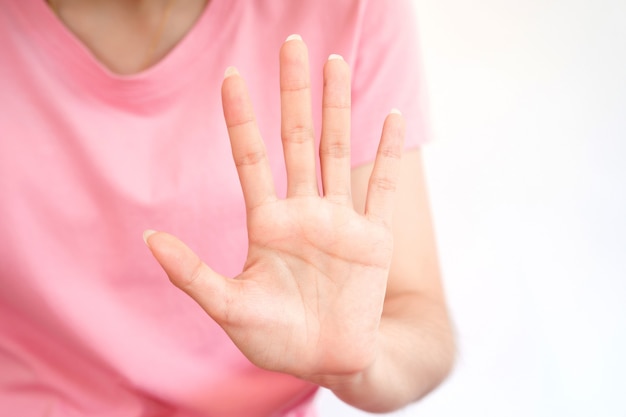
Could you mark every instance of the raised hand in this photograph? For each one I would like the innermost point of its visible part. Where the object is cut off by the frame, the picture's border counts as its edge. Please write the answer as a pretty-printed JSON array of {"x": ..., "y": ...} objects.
[{"x": 310, "y": 297}]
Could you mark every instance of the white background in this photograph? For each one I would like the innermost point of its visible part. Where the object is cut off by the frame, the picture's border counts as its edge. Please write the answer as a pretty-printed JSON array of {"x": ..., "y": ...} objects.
[{"x": 527, "y": 176}]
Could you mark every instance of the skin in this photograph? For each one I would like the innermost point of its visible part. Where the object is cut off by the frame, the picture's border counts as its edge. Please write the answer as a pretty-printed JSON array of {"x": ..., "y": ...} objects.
[
  {"x": 121, "y": 33},
  {"x": 333, "y": 291}
]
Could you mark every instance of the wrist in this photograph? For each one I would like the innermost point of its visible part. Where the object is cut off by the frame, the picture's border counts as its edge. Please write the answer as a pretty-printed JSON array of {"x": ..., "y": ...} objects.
[{"x": 414, "y": 353}]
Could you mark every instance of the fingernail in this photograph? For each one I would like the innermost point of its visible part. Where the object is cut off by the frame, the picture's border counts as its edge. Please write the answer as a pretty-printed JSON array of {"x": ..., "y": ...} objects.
[
  {"x": 334, "y": 56},
  {"x": 293, "y": 37},
  {"x": 395, "y": 111},
  {"x": 230, "y": 71},
  {"x": 147, "y": 234}
]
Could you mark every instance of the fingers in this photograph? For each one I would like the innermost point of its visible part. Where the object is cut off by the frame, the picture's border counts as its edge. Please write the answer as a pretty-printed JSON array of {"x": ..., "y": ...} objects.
[
  {"x": 247, "y": 145},
  {"x": 296, "y": 118},
  {"x": 386, "y": 172},
  {"x": 299, "y": 139},
  {"x": 335, "y": 142},
  {"x": 190, "y": 274}
]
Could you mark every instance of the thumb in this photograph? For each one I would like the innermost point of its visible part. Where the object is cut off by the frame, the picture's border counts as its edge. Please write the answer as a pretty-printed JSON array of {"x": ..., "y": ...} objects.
[{"x": 187, "y": 271}]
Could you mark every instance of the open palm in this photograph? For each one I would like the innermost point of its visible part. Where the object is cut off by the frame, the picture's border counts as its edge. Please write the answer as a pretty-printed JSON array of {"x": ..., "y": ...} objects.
[{"x": 310, "y": 297}]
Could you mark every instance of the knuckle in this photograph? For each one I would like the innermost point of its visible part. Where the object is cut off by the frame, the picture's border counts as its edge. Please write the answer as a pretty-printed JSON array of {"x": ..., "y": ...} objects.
[
  {"x": 383, "y": 183},
  {"x": 251, "y": 157},
  {"x": 242, "y": 122},
  {"x": 298, "y": 133},
  {"x": 295, "y": 85},
  {"x": 335, "y": 147},
  {"x": 194, "y": 277},
  {"x": 337, "y": 102},
  {"x": 392, "y": 152}
]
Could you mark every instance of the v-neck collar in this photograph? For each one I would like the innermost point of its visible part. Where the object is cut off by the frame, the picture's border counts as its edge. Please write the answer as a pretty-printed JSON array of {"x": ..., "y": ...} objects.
[{"x": 78, "y": 63}]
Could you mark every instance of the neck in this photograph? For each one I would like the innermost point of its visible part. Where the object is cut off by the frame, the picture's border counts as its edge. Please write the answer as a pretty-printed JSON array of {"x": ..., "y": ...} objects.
[
  {"x": 128, "y": 36},
  {"x": 134, "y": 7}
]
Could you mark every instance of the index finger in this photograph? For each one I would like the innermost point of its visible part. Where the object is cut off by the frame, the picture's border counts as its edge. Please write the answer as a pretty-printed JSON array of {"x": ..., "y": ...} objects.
[{"x": 249, "y": 154}]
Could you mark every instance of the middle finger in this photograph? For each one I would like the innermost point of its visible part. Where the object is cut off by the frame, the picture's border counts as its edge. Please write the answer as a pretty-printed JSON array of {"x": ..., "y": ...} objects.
[{"x": 297, "y": 131}]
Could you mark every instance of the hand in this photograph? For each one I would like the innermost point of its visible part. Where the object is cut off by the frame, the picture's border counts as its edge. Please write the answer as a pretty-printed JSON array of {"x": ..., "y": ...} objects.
[{"x": 310, "y": 297}]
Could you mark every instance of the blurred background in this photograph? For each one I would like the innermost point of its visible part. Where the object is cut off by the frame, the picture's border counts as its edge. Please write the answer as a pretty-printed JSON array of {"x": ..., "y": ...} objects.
[{"x": 527, "y": 176}]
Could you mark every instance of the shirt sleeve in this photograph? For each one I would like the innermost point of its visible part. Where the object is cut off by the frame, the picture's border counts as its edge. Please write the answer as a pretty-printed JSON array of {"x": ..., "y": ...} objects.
[{"x": 387, "y": 73}]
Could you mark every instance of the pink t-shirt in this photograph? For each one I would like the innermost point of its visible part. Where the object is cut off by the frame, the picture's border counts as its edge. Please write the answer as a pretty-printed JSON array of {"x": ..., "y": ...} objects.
[{"x": 89, "y": 323}]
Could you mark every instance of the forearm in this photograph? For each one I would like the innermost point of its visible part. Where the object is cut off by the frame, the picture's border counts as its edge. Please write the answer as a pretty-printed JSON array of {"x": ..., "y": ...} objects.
[{"x": 416, "y": 352}]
